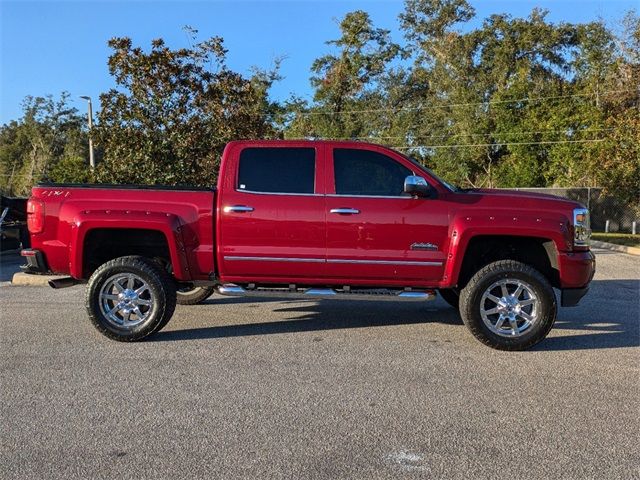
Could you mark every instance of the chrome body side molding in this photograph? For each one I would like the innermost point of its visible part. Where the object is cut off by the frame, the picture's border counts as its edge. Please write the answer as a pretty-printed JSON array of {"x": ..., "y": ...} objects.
[
  {"x": 274, "y": 259},
  {"x": 385, "y": 262},
  {"x": 332, "y": 260}
]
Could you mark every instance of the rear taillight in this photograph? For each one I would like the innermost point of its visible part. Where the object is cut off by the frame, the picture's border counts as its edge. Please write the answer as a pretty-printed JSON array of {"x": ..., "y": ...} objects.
[{"x": 35, "y": 215}]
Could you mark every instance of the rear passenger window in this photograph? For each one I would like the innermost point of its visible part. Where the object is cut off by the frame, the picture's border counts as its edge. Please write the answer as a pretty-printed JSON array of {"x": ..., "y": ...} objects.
[
  {"x": 364, "y": 172},
  {"x": 277, "y": 170}
]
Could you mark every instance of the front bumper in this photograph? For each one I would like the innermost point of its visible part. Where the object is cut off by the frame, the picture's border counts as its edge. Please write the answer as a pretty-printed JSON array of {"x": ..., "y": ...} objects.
[
  {"x": 35, "y": 261},
  {"x": 576, "y": 271}
]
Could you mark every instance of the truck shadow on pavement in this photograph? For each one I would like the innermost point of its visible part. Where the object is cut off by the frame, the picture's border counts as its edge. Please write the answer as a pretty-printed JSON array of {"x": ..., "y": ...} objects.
[
  {"x": 314, "y": 315},
  {"x": 608, "y": 317}
]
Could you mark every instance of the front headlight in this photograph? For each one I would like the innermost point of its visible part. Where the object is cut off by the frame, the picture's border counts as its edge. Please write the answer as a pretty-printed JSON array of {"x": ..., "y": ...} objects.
[{"x": 581, "y": 227}]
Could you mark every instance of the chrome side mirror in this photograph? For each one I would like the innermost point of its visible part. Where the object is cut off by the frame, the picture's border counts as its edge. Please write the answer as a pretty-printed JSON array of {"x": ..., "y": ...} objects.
[{"x": 417, "y": 187}]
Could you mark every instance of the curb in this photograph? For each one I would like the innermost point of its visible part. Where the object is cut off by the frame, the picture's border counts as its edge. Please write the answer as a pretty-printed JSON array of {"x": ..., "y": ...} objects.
[
  {"x": 616, "y": 247},
  {"x": 29, "y": 279}
]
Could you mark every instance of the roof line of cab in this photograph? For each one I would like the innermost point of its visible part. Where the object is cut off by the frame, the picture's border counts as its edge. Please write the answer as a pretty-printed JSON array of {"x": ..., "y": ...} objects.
[{"x": 304, "y": 140}]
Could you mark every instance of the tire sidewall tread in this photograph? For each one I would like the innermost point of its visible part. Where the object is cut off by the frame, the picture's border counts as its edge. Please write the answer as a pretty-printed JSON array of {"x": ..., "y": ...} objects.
[
  {"x": 161, "y": 283},
  {"x": 470, "y": 304},
  {"x": 195, "y": 296}
]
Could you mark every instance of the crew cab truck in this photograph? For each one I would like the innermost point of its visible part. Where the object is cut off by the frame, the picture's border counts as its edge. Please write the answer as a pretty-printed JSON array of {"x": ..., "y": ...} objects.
[{"x": 316, "y": 219}]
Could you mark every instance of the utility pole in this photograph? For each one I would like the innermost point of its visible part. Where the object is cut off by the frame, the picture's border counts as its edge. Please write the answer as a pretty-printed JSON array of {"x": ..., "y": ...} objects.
[{"x": 92, "y": 162}]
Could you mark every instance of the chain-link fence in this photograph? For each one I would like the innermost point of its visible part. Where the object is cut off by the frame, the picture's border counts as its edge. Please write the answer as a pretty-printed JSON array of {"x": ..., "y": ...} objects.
[{"x": 608, "y": 213}]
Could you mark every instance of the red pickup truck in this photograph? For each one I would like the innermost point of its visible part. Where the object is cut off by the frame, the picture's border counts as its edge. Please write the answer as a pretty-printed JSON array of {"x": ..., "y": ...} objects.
[{"x": 316, "y": 219}]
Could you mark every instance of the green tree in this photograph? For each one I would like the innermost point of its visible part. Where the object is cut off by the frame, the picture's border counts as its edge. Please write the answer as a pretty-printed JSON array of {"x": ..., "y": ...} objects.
[
  {"x": 468, "y": 84},
  {"x": 173, "y": 111},
  {"x": 347, "y": 80},
  {"x": 47, "y": 143},
  {"x": 616, "y": 161},
  {"x": 502, "y": 102}
]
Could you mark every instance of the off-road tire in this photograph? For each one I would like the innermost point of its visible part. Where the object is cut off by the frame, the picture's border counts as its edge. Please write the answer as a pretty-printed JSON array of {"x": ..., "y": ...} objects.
[
  {"x": 162, "y": 290},
  {"x": 471, "y": 296},
  {"x": 194, "y": 296},
  {"x": 451, "y": 296}
]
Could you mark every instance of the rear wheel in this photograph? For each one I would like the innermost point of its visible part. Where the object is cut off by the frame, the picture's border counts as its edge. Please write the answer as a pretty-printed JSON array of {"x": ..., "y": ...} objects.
[
  {"x": 129, "y": 298},
  {"x": 188, "y": 294},
  {"x": 508, "y": 305}
]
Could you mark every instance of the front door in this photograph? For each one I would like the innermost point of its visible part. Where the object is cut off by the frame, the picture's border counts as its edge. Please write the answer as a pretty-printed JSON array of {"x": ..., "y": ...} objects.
[{"x": 374, "y": 231}]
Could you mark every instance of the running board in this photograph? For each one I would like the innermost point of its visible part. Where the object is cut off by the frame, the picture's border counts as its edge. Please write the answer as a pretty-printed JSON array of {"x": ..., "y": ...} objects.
[{"x": 345, "y": 293}]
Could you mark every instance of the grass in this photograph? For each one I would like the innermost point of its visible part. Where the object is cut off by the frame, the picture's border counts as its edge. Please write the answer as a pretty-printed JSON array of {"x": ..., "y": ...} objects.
[{"x": 619, "y": 238}]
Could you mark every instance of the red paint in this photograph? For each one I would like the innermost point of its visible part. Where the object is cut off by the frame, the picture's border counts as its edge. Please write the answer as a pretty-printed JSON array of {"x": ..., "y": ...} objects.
[
  {"x": 301, "y": 227},
  {"x": 576, "y": 269},
  {"x": 71, "y": 212}
]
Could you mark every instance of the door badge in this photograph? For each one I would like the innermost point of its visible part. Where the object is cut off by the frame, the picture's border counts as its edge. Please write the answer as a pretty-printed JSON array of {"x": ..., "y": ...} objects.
[{"x": 423, "y": 246}]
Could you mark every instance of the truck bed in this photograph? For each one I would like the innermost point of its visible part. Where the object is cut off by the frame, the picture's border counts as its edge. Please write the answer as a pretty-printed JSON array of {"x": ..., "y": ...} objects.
[{"x": 183, "y": 214}]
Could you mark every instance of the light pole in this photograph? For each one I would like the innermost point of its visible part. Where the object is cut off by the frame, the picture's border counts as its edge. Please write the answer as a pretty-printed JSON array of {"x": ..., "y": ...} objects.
[{"x": 92, "y": 162}]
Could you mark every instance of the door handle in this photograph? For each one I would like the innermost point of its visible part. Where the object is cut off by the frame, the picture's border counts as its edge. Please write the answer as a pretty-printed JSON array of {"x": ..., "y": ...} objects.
[
  {"x": 237, "y": 209},
  {"x": 344, "y": 211}
]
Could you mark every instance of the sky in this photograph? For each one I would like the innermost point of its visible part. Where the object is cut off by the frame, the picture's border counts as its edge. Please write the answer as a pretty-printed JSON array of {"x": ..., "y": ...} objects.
[{"x": 48, "y": 47}]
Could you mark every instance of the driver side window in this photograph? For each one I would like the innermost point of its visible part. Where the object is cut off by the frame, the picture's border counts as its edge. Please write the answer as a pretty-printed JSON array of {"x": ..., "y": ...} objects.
[{"x": 367, "y": 173}]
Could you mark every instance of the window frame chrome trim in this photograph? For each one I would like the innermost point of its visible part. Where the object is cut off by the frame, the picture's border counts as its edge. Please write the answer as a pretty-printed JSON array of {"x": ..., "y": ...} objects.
[
  {"x": 280, "y": 193},
  {"x": 339, "y": 195}
]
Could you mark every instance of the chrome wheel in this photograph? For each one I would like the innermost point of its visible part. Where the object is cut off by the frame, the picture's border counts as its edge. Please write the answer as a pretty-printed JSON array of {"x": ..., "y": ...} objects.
[
  {"x": 509, "y": 307},
  {"x": 126, "y": 300}
]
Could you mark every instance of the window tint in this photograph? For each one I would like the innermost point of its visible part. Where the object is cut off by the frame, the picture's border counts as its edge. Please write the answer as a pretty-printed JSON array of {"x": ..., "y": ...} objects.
[
  {"x": 277, "y": 170},
  {"x": 363, "y": 172}
]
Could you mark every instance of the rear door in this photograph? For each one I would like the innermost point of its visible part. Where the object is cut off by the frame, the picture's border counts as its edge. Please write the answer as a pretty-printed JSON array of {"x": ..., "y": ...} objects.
[
  {"x": 374, "y": 231},
  {"x": 272, "y": 213}
]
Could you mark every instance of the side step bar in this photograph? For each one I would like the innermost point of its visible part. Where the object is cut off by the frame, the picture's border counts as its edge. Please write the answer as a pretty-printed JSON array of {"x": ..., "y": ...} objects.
[{"x": 345, "y": 293}]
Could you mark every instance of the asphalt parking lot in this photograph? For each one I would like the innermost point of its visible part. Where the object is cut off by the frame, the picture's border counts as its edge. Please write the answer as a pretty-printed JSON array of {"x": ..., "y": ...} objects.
[{"x": 330, "y": 389}]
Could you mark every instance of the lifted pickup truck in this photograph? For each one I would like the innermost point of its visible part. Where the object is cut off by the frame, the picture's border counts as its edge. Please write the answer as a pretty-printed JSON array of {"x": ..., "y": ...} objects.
[{"x": 316, "y": 219}]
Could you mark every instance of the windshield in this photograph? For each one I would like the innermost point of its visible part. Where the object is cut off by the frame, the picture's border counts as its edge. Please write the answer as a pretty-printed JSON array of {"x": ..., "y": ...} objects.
[{"x": 445, "y": 184}]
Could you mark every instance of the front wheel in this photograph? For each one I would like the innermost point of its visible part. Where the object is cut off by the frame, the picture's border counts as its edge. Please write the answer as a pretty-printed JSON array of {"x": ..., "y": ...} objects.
[
  {"x": 508, "y": 305},
  {"x": 129, "y": 298}
]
